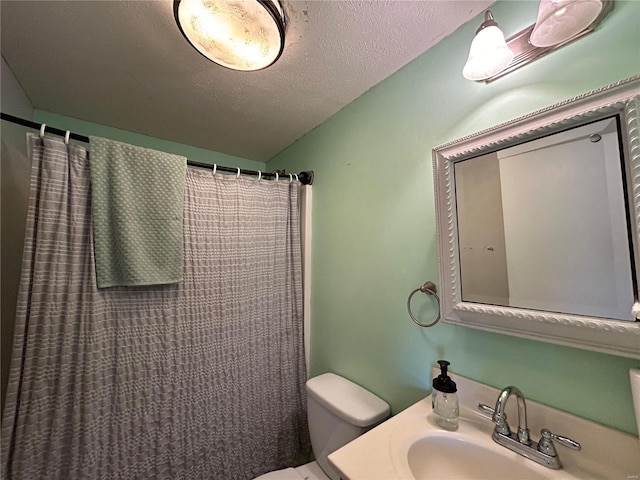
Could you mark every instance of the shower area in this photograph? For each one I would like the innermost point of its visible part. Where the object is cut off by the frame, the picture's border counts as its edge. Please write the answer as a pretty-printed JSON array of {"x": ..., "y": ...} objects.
[{"x": 202, "y": 377}]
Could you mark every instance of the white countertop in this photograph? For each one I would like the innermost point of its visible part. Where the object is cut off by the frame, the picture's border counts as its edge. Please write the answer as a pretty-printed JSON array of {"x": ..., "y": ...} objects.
[{"x": 606, "y": 453}]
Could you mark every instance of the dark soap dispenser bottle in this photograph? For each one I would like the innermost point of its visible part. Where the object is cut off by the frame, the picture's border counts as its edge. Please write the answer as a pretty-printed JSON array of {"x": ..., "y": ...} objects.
[{"x": 444, "y": 399}]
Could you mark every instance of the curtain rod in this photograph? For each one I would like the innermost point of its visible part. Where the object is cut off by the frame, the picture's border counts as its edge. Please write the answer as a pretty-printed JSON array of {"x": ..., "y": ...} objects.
[{"x": 306, "y": 178}]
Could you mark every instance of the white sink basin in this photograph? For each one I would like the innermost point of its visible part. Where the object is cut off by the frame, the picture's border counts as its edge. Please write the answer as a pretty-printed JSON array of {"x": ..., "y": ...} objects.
[
  {"x": 421, "y": 450},
  {"x": 440, "y": 458},
  {"x": 448, "y": 457}
]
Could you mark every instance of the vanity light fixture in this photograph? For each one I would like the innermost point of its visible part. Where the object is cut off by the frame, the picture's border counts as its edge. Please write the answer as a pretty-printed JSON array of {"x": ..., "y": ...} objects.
[
  {"x": 244, "y": 35},
  {"x": 489, "y": 53},
  {"x": 559, "y": 23}
]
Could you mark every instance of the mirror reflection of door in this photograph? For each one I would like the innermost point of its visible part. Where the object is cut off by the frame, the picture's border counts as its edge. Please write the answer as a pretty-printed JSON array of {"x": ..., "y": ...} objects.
[{"x": 543, "y": 225}]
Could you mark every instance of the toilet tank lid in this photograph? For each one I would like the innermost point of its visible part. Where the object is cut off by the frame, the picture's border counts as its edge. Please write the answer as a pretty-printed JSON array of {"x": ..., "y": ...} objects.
[{"x": 347, "y": 400}]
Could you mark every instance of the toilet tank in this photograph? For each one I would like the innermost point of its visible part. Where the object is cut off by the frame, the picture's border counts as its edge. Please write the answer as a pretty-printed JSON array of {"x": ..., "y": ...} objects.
[{"x": 339, "y": 411}]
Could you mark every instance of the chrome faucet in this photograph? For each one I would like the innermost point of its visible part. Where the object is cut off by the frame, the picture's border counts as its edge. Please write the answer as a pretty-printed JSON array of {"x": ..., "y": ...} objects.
[
  {"x": 500, "y": 418},
  {"x": 542, "y": 452}
]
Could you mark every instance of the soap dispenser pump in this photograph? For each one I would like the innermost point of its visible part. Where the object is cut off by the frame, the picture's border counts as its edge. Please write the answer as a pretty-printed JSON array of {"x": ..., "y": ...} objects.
[{"x": 444, "y": 399}]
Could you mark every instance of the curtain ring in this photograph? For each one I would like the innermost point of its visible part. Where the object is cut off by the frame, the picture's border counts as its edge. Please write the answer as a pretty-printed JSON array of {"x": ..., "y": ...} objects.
[
  {"x": 238, "y": 174},
  {"x": 66, "y": 137},
  {"x": 290, "y": 178},
  {"x": 276, "y": 176},
  {"x": 296, "y": 175},
  {"x": 215, "y": 167},
  {"x": 42, "y": 127},
  {"x": 259, "y": 175}
]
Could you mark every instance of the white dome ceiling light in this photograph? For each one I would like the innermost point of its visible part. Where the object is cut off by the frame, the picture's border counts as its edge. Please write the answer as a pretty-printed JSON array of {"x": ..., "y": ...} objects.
[{"x": 244, "y": 35}]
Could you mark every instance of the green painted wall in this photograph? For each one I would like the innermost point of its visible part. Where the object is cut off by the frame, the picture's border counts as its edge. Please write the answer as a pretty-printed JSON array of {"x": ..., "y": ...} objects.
[
  {"x": 192, "y": 153},
  {"x": 374, "y": 237}
]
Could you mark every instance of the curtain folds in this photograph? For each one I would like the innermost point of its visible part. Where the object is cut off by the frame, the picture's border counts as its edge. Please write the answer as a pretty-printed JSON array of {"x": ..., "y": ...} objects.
[{"x": 202, "y": 379}]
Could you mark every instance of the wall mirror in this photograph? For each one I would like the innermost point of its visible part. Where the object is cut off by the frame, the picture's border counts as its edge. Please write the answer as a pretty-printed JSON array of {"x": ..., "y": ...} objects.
[{"x": 538, "y": 224}]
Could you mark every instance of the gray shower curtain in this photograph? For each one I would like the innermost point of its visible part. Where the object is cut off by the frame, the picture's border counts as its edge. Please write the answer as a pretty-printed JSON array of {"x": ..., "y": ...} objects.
[{"x": 198, "y": 380}]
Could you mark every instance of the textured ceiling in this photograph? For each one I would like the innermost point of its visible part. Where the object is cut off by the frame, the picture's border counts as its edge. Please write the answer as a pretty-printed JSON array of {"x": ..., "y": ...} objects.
[{"x": 125, "y": 64}]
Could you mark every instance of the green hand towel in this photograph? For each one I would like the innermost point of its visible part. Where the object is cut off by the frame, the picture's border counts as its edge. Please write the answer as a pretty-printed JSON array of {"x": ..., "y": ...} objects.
[{"x": 137, "y": 195}]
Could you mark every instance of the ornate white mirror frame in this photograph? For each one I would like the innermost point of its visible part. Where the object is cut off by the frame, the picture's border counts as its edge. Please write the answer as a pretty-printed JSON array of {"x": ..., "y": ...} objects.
[{"x": 592, "y": 333}]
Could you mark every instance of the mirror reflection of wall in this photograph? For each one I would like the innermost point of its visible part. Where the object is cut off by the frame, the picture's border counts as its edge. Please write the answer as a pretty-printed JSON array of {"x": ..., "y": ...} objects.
[{"x": 543, "y": 225}]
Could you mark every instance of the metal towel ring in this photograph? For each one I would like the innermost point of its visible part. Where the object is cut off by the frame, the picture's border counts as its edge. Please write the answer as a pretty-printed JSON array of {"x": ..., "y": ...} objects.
[{"x": 430, "y": 289}]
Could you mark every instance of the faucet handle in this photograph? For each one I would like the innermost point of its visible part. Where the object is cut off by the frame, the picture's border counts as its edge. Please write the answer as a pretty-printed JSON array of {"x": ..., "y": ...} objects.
[
  {"x": 500, "y": 420},
  {"x": 486, "y": 409},
  {"x": 502, "y": 426},
  {"x": 546, "y": 444}
]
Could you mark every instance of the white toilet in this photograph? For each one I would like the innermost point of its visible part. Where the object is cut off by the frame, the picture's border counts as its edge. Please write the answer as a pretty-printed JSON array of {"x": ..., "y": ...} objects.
[{"x": 339, "y": 411}]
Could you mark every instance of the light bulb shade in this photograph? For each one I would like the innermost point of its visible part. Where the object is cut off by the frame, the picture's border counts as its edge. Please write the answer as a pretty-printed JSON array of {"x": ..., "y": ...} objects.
[
  {"x": 560, "y": 20},
  {"x": 488, "y": 55},
  {"x": 238, "y": 34}
]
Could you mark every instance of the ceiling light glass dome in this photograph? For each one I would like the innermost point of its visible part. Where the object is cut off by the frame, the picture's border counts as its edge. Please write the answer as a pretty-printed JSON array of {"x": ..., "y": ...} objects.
[{"x": 238, "y": 34}]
